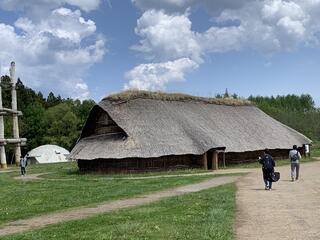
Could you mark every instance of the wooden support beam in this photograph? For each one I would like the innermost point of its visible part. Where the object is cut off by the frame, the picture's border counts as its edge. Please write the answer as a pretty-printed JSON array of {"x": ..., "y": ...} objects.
[
  {"x": 215, "y": 165},
  {"x": 12, "y": 140},
  {"x": 205, "y": 161},
  {"x": 3, "y": 157},
  {"x": 11, "y": 111}
]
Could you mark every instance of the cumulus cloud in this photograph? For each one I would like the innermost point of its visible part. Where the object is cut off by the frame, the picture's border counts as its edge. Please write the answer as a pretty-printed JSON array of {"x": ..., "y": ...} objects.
[
  {"x": 54, "y": 53},
  {"x": 166, "y": 37},
  {"x": 214, "y": 7},
  {"x": 166, "y": 33},
  {"x": 155, "y": 76},
  {"x": 168, "y": 5},
  {"x": 13, "y": 5}
]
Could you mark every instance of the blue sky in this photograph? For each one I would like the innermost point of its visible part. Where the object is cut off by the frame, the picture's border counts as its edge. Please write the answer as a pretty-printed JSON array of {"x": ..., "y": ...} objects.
[{"x": 91, "y": 48}]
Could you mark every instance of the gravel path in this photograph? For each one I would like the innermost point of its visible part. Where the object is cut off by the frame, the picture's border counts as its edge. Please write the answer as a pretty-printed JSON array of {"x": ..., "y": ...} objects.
[
  {"x": 290, "y": 211},
  {"x": 80, "y": 213}
]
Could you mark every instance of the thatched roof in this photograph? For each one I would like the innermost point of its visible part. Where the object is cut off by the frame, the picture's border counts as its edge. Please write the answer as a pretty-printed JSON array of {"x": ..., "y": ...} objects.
[
  {"x": 134, "y": 94},
  {"x": 160, "y": 126}
]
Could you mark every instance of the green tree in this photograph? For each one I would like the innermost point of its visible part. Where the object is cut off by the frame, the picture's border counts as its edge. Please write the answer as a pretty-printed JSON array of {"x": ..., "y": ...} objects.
[
  {"x": 62, "y": 126},
  {"x": 34, "y": 129},
  {"x": 82, "y": 109},
  {"x": 298, "y": 112},
  {"x": 52, "y": 100}
]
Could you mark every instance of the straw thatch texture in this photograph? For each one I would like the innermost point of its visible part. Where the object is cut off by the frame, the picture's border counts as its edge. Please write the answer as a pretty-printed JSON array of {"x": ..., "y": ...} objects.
[
  {"x": 134, "y": 94},
  {"x": 157, "y": 128}
]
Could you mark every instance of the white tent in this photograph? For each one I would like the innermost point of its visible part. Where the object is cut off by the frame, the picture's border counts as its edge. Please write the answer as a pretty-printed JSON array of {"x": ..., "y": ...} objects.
[{"x": 48, "y": 154}]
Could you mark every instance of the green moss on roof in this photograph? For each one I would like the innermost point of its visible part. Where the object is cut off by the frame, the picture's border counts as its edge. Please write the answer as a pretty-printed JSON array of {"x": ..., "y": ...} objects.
[{"x": 128, "y": 95}]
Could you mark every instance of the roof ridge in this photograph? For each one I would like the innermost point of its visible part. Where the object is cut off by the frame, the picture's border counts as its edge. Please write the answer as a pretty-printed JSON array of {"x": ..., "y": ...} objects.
[{"x": 126, "y": 96}]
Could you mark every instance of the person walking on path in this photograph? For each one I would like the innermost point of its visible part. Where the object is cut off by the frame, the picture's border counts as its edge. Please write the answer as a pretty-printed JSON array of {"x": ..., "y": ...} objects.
[
  {"x": 294, "y": 157},
  {"x": 268, "y": 165},
  {"x": 23, "y": 165}
]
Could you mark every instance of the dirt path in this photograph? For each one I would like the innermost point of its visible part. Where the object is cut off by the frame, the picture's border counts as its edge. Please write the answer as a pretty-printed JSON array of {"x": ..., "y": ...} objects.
[
  {"x": 290, "y": 211},
  {"x": 75, "y": 214}
]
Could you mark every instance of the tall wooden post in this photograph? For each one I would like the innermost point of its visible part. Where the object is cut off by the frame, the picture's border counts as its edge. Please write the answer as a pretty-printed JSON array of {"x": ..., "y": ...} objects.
[
  {"x": 205, "y": 161},
  {"x": 3, "y": 159},
  {"x": 15, "y": 113},
  {"x": 215, "y": 165}
]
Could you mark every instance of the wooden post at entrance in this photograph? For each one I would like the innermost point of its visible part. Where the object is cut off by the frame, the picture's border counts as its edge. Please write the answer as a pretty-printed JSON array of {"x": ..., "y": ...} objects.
[
  {"x": 205, "y": 161},
  {"x": 215, "y": 165}
]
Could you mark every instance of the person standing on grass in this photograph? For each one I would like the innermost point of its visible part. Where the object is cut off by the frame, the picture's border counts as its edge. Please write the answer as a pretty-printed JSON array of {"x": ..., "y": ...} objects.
[
  {"x": 294, "y": 157},
  {"x": 268, "y": 165},
  {"x": 23, "y": 165}
]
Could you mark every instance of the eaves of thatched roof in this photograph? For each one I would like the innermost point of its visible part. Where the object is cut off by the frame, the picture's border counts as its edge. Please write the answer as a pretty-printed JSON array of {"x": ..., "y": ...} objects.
[{"x": 159, "y": 127}]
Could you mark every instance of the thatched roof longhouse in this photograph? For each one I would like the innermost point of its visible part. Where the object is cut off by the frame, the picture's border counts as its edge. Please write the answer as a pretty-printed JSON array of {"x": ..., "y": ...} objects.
[{"x": 153, "y": 125}]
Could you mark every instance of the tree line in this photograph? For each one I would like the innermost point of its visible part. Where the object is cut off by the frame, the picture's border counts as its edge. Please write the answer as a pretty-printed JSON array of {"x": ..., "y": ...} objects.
[
  {"x": 298, "y": 112},
  {"x": 45, "y": 120}
]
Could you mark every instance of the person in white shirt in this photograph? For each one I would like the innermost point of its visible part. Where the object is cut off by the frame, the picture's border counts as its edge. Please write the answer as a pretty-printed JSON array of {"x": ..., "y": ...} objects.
[{"x": 294, "y": 157}]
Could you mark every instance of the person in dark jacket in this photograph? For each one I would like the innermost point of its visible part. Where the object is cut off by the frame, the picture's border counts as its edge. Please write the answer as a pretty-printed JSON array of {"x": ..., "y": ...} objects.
[
  {"x": 23, "y": 165},
  {"x": 268, "y": 165}
]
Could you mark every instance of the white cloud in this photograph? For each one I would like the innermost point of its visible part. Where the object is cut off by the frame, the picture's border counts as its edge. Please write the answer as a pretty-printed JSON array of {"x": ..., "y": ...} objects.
[
  {"x": 277, "y": 9},
  {"x": 266, "y": 26},
  {"x": 221, "y": 39},
  {"x": 54, "y": 53},
  {"x": 283, "y": 24},
  {"x": 168, "y": 5},
  {"x": 155, "y": 76},
  {"x": 41, "y": 5},
  {"x": 214, "y": 7},
  {"x": 62, "y": 23},
  {"x": 166, "y": 37}
]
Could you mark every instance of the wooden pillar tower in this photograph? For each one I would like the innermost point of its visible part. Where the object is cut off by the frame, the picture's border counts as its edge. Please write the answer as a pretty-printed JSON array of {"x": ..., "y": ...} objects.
[{"x": 16, "y": 140}]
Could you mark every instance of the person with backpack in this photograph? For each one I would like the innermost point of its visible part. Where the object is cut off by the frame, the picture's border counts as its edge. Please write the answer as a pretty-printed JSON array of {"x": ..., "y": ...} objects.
[
  {"x": 268, "y": 165},
  {"x": 23, "y": 165},
  {"x": 294, "y": 156}
]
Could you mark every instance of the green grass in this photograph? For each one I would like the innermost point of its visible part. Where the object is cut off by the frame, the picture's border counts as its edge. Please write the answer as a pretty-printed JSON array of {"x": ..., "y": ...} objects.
[
  {"x": 23, "y": 199},
  {"x": 70, "y": 169},
  {"x": 315, "y": 150},
  {"x": 207, "y": 214}
]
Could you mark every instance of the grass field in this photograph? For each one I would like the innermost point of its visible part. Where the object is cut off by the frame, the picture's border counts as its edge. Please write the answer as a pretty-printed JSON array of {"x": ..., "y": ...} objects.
[
  {"x": 204, "y": 215},
  {"x": 70, "y": 169},
  {"x": 67, "y": 189}
]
